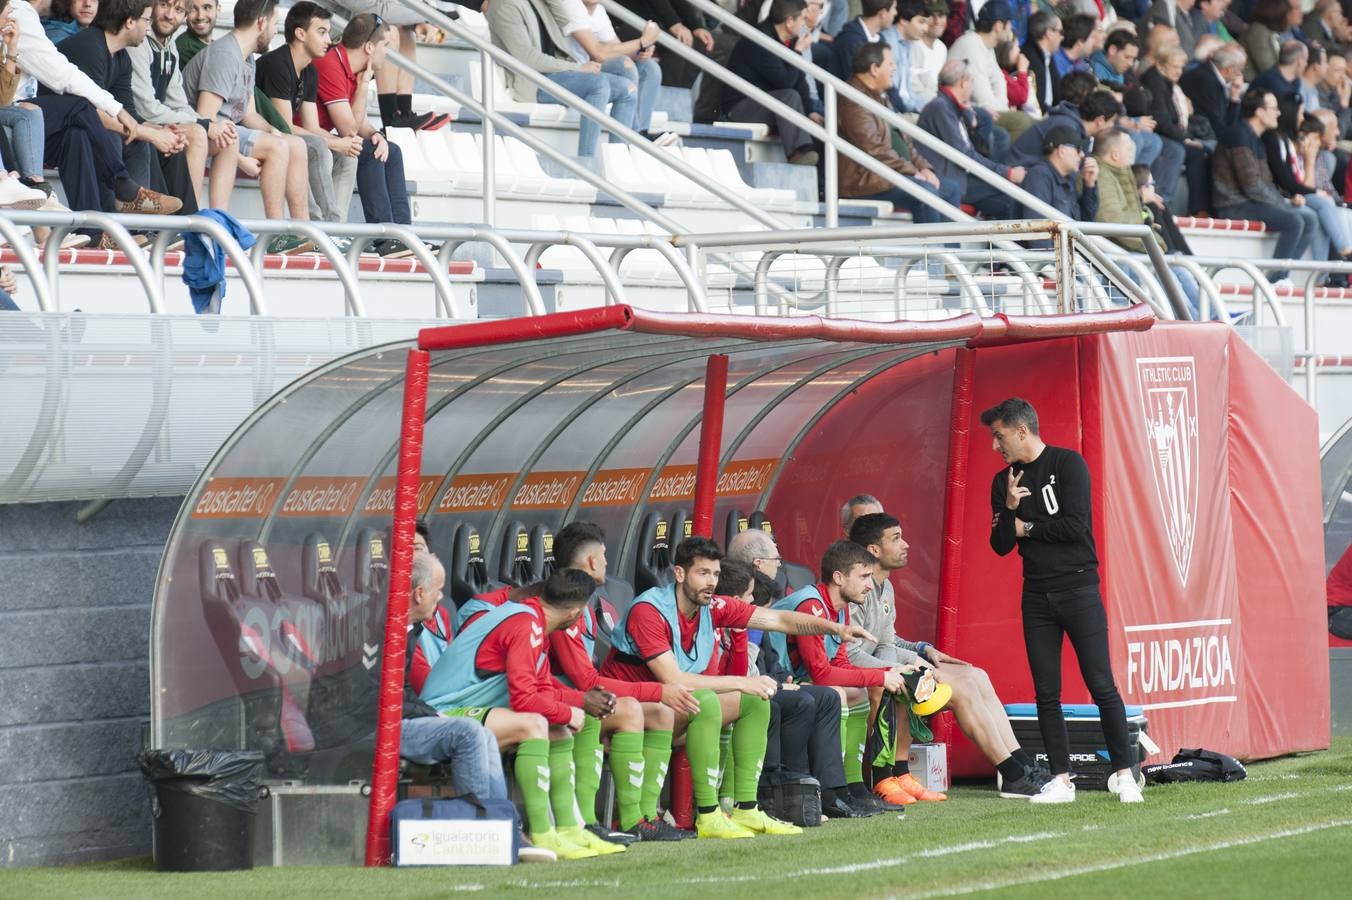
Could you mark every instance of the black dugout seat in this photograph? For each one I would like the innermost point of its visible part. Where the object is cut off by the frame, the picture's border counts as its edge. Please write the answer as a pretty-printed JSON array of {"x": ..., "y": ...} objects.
[
  {"x": 736, "y": 524},
  {"x": 610, "y": 602},
  {"x": 653, "y": 567},
  {"x": 319, "y": 570},
  {"x": 371, "y": 563},
  {"x": 758, "y": 520},
  {"x": 682, "y": 526},
  {"x": 468, "y": 573},
  {"x": 515, "y": 565},
  {"x": 240, "y": 629},
  {"x": 541, "y": 551}
]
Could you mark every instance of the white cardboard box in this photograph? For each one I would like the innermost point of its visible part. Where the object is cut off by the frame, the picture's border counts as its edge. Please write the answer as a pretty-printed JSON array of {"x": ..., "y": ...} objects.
[{"x": 929, "y": 765}]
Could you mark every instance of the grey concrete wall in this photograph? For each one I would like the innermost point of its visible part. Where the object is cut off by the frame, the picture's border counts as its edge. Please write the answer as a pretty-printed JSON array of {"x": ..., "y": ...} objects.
[{"x": 74, "y": 686}]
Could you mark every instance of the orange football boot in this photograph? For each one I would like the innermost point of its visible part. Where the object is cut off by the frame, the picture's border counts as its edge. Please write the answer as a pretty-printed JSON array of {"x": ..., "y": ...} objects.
[
  {"x": 891, "y": 790},
  {"x": 912, "y": 786}
]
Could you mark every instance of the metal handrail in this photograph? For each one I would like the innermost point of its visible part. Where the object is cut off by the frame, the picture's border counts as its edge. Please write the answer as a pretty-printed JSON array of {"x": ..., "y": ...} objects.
[{"x": 924, "y": 138}]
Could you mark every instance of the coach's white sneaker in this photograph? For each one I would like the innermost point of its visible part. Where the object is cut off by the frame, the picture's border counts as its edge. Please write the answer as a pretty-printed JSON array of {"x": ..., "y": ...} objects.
[
  {"x": 1128, "y": 790},
  {"x": 1058, "y": 790}
]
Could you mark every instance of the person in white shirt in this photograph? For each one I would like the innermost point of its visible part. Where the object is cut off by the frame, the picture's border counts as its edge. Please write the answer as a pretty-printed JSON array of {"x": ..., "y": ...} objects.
[
  {"x": 977, "y": 49},
  {"x": 928, "y": 55},
  {"x": 592, "y": 37}
]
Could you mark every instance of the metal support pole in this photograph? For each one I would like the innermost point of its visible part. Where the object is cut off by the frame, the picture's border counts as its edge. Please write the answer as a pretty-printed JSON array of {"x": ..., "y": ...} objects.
[
  {"x": 1311, "y": 361},
  {"x": 385, "y": 768},
  {"x": 832, "y": 168},
  {"x": 489, "y": 101},
  {"x": 710, "y": 444}
]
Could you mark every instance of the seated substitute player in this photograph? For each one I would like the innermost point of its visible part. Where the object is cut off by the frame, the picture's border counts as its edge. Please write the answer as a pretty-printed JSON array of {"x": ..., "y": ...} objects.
[
  {"x": 669, "y": 633},
  {"x": 978, "y": 710},
  {"x": 496, "y": 670},
  {"x": 581, "y": 546},
  {"x": 847, "y": 580}
]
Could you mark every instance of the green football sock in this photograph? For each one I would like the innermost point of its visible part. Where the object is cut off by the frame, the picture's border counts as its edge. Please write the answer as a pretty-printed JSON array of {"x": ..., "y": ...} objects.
[
  {"x": 587, "y": 761},
  {"x": 562, "y": 797},
  {"x": 725, "y": 766},
  {"x": 856, "y": 730},
  {"x": 748, "y": 747},
  {"x": 656, "y": 758},
  {"x": 701, "y": 747},
  {"x": 532, "y": 777},
  {"x": 626, "y": 767}
]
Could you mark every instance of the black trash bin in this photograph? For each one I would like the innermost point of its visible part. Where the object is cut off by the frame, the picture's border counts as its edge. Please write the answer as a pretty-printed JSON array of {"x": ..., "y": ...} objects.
[{"x": 204, "y": 803}]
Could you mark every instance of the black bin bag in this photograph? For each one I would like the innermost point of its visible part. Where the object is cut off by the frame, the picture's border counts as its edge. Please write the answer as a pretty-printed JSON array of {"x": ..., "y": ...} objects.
[{"x": 204, "y": 804}]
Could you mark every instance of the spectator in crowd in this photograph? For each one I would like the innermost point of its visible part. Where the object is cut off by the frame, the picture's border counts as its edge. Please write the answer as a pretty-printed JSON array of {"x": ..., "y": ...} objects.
[
  {"x": 1084, "y": 109},
  {"x": 904, "y": 37},
  {"x": 950, "y": 118},
  {"x": 1286, "y": 158},
  {"x": 977, "y": 48},
  {"x": 1327, "y": 24},
  {"x": 289, "y": 79},
  {"x": 21, "y": 121},
  {"x": 1156, "y": 38},
  {"x": 1121, "y": 203},
  {"x": 1335, "y": 92},
  {"x": 219, "y": 81},
  {"x": 201, "y": 22},
  {"x": 1172, "y": 112},
  {"x": 592, "y": 38},
  {"x": 1116, "y": 59},
  {"x": 1207, "y": 45},
  {"x": 1018, "y": 86},
  {"x": 1261, "y": 39},
  {"x": 157, "y": 91},
  {"x": 687, "y": 24},
  {"x": 100, "y": 51},
  {"x": 1315, "y": 68},
  {"x": 1215, "y": 87},
  {"x": 930, "y": 54},
  {"x": 1283, "y": 79},
  {"x": 874, "y": 17},
  {"x": 812, "y": 47},
  {"x": 1177, "y": 14},
  {"x": 1157, "y": 214},
  {"x": 515, "y": 26},
  {"x": 873, "y": 72},
  {"x": 1077, "y": 44},
  {"x": 1320, "y": 166},
  {"x": 77, "y": 142},
  {"x": 342, "y": 78},
  {"x": 776, "y": 77},
  {"x": 69, "y": 17},
  {"x": 394, "y": 86},
  {"x": 1044, "y": 40},
  {"x": 1065, "y": 178},
  {"x": 1242, "y": 185}
]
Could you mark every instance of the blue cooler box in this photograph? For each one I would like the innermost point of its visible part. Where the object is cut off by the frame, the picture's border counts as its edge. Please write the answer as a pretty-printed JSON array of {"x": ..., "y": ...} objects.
[{"x": 1088, "y": 750}]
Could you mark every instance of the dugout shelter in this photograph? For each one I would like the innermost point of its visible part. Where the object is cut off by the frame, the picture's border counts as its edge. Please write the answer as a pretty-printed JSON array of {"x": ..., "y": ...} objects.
[{"x": 271, "y": 603}]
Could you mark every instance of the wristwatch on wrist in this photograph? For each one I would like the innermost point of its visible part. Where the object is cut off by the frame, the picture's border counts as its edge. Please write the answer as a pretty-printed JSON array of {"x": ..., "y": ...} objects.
[{"x": 1027, "y": 528}]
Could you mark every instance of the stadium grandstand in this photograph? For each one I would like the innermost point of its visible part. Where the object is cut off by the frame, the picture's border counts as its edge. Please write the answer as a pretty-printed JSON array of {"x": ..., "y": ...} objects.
[{"x": 408, "y": 400}]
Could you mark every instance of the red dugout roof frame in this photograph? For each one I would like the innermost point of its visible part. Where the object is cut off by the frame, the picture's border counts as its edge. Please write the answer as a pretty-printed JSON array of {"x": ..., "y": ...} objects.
[{"x": 970, "y": 328}]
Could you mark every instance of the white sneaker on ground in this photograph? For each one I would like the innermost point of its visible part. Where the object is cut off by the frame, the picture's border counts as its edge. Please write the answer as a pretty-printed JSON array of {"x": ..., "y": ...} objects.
[
  {"x": 14, "y": 195},
  {"x": 1128, "y": 790},
  {"x": 1055, "y": 791}
]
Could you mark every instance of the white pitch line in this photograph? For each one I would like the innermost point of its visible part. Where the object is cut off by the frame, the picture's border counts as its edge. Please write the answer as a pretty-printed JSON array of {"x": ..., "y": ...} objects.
[
  {"x": 1342, "y": 787},
  {"x": 1141, "y": 860},
  {"x": 1271, "y": 798},
  {"x": 1209, "y": 815}
]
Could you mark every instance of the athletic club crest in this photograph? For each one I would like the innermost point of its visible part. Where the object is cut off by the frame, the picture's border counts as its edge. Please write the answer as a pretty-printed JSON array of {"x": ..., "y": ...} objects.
[{"x": 1169, "y": 404}]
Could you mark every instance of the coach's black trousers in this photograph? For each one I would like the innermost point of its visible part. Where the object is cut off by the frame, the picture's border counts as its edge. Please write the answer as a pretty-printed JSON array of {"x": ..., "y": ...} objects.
[{"x": 1079, "y": 615}]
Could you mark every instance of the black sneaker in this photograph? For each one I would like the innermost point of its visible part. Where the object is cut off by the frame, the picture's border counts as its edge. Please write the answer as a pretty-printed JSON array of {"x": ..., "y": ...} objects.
[
  {"x": 658, "y": 830},
  {"x": 409, "y": 120},
  {"x": 1023, "y": 788},
  {"x": 862, "y": 798},
  {"x": 623, "y": 838},
  {"x": 841, "y": 808}
]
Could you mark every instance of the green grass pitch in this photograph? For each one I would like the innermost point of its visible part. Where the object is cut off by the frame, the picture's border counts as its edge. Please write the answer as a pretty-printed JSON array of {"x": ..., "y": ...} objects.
[{"x": 1284, "y": 832}]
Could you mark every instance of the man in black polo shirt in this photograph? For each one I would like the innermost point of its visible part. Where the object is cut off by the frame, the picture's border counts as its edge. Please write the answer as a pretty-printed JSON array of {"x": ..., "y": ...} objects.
[
  {"x": 779, "y": 79},
  {"x": 287, "y": 78},
  {"x": 100, "y": 51},
  {"x": 1042, "y": 504}
]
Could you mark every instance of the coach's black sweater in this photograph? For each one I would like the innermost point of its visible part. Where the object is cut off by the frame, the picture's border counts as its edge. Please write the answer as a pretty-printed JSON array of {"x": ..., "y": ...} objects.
[{"x": 1058, "y": 553}]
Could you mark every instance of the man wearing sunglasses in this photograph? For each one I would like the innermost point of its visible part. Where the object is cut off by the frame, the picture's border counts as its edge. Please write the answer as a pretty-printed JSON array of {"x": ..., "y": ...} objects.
[{"x": 1053, "y": 179}]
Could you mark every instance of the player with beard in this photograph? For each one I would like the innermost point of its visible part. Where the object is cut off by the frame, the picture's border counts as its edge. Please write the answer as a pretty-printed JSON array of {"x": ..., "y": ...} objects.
[
  {"x": 978, "y": 710},
  {"x": 668, "y": 633},
  {"x": 847, "y": 581}
]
